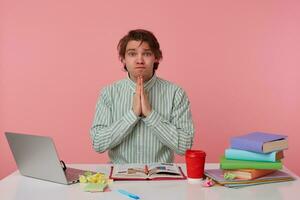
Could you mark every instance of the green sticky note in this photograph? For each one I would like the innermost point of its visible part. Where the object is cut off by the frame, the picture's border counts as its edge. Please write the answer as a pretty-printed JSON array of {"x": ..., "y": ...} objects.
[
  {"x": 94, "y": 187},
  {"x": 229, "y": 176}
]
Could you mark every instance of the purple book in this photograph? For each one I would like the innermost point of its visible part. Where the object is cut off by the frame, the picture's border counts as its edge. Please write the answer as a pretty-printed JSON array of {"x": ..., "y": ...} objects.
[{"x": 255, "y": 141}]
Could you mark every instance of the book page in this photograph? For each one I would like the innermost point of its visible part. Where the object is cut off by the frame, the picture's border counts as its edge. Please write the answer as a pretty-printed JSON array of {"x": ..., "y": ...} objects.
[
  {"x": 129, "y": 171},
  {"x": 163, "y": 170}
]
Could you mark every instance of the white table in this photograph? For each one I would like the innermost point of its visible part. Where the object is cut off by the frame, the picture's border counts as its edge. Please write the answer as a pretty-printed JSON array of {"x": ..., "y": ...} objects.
[{"x": 16, "y": 187}]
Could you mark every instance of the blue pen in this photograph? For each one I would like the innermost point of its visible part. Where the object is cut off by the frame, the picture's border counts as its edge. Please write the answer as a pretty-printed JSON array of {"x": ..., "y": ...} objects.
[{"x": 133, "y": 196}]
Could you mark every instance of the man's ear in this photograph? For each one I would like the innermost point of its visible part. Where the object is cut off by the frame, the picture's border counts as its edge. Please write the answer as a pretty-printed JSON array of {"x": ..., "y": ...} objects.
[{"x": 122, "y": 60}]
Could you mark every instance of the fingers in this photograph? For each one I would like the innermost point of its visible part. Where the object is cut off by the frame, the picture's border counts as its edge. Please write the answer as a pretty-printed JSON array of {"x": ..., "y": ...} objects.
[
  {"x": 146, "y": 107},
  {"x": 137, "y": 107},
  {"x": 142, "y": 81},
  {"x": 141, "y": 105},
  {"x": 142, "y": 85},
  {"x": 138, "y": 86}
]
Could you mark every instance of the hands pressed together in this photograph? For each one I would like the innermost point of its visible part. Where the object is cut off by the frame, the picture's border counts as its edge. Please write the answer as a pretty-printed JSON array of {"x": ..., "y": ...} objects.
[{"x": 141, "y": 106}]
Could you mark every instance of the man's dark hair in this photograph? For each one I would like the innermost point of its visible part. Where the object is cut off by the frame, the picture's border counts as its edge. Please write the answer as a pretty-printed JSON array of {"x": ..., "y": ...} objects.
[{"x": 143, "y": 36}]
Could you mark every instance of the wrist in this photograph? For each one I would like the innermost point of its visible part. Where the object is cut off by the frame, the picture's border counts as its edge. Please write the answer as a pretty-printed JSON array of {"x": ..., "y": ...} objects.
[
  {"x": 147, "y": 113},
  {"x": 136, "y": 113}
]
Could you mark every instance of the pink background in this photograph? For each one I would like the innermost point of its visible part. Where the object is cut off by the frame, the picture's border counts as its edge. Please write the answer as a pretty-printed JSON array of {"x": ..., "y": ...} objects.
[{"x": 238, "y": 61}]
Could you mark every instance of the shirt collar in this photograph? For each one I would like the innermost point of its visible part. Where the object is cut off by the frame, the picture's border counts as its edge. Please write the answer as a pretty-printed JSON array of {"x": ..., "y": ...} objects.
[{"x": 147, "y": 86}]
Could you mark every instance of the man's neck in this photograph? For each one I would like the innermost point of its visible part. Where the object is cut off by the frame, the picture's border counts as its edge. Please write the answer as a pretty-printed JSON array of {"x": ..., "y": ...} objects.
[{"x": 134, "y": 79}]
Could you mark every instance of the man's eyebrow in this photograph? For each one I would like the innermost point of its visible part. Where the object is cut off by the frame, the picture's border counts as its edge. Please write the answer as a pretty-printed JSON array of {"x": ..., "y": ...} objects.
[
  {"x": 135, "y": 50},
  {"x": 130, "y": 50}
]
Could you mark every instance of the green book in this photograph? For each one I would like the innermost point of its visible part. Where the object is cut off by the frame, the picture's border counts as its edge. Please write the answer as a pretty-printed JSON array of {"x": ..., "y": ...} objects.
[{"x": 244, "y": 164}]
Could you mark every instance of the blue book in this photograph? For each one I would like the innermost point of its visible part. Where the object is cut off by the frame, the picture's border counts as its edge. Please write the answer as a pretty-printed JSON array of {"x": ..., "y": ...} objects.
[
  {"x": 260, "y": 142},
  {"x": 237, "y": 154}
]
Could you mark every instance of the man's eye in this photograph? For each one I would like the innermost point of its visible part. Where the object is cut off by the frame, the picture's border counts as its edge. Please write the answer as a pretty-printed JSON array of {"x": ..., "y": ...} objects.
[
  {"x": 148, "y": 54},
  {"x": 131, "y": 53}
]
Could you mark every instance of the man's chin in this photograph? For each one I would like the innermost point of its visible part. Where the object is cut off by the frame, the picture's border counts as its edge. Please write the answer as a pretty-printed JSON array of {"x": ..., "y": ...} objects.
[{"x": 145, "y": 76}]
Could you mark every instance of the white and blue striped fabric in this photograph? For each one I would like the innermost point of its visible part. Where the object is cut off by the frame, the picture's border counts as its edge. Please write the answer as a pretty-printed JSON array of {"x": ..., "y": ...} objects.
[{"x": 131, "y": 139}]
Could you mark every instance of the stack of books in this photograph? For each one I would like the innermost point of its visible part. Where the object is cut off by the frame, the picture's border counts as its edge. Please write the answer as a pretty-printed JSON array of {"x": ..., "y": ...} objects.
[
  {"x": 254, "y": 158},
  {"x": 254, "y": 155}
]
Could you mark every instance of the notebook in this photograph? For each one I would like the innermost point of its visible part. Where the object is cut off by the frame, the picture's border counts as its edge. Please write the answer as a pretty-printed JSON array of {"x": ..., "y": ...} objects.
[
  {"x": 36, "y": 157},
  {"x": 276, "y": 177}
]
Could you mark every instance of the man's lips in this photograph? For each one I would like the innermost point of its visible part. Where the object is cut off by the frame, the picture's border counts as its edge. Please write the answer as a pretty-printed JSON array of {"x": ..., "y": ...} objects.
[{"x": 140, "y": 67}]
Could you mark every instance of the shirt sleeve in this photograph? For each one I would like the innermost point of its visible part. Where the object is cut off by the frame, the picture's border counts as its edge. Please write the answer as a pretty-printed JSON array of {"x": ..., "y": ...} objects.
[
  {"x": 106, "y": 133},
  {"x": 178, "y": 132}
]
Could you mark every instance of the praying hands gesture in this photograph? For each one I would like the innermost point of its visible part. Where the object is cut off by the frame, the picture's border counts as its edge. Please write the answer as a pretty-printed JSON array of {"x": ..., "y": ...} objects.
[{"x": 141, "y": 106}]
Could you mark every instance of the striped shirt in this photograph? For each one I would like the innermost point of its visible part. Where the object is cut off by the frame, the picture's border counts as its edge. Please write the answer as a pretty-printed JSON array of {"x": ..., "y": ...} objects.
[{"x": 131, "y": 139}]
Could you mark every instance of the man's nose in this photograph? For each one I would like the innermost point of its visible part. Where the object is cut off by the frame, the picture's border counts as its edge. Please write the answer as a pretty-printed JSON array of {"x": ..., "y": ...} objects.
[{"x": 140, "y": 58}]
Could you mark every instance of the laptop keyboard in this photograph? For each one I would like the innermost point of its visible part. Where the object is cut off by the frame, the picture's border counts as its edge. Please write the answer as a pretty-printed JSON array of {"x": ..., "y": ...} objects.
[{"x": 73, "y": 174}]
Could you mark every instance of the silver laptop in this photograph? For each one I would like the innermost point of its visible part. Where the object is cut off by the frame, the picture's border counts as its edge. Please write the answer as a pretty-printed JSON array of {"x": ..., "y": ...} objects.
[{"x": 36, "y": 157}]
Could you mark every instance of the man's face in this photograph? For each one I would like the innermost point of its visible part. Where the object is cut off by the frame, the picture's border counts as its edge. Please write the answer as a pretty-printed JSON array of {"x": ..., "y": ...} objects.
[{"x": 139, "y": 60}]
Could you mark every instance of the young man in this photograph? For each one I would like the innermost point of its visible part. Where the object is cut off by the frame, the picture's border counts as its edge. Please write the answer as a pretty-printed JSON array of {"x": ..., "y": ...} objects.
[{"x": 143, "y": 118}]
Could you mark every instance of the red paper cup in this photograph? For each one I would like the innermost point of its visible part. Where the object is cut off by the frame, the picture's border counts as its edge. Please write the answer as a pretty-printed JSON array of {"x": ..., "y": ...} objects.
[{"x": 195, "y": 161}]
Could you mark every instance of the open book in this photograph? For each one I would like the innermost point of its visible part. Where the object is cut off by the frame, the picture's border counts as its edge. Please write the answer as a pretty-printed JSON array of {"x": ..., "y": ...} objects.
[{"x": 154, "y": 171}]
